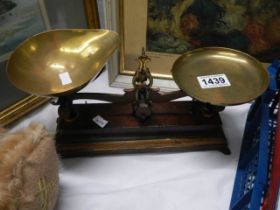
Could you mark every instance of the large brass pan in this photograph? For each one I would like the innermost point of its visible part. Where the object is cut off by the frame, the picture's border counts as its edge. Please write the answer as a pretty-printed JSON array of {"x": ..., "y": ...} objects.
[
  {"x": 60, "y": 61},
  {"x": 247, "y": 77}
]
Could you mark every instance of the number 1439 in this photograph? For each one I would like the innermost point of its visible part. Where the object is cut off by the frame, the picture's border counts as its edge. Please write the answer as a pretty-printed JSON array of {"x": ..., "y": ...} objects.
[{"x": 213, "y": 81}]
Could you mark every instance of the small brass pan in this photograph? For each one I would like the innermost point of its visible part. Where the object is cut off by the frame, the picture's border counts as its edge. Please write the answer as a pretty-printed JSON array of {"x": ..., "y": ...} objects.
[
  {"x": 62, "y": 61},
  {"x": 220, "y": 76}
]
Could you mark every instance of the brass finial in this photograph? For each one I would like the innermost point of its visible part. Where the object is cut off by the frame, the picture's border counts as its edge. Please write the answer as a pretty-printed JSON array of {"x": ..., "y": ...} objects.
[
  {"x": 143, "y": 60},
  {"x": 142, "y": 74}
]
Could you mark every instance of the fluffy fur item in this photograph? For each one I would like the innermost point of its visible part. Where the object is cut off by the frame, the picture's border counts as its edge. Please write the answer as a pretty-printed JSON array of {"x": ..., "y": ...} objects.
[{"x": 28, "y": 170}]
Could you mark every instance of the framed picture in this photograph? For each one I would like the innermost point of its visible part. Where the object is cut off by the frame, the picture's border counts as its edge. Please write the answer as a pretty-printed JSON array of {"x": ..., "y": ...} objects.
[
  {"x": 168, "y": 29},
  {"x": 113, "y": 16},
  {"x": 21, "y": 19}
]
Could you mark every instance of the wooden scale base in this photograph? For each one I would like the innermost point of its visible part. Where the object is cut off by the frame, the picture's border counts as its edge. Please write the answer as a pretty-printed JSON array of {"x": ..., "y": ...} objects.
[{"x": 171, "y": 127}]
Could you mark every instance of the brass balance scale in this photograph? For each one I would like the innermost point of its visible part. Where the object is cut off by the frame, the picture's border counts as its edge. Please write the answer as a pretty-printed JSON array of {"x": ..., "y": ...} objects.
[{"x": 59, "y": 63}]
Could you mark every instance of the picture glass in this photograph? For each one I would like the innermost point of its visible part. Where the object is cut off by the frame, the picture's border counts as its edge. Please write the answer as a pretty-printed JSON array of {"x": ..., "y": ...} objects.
[
  {"x": 19, "y": 19},
  {"x": 9, "y": 94}
]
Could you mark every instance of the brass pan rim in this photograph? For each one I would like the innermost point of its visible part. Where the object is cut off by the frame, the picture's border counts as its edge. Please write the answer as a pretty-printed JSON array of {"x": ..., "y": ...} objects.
[
  {"x": 66, "y": 89},
  {"x": 197, "y": 96}
]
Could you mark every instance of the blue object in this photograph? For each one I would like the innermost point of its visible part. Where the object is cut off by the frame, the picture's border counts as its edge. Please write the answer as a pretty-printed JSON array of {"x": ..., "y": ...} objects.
[{"x": 251, "y": 178}]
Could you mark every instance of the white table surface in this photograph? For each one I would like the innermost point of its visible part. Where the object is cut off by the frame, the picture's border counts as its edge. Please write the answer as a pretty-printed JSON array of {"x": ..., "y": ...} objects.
[{"x": 169, "y": 181}]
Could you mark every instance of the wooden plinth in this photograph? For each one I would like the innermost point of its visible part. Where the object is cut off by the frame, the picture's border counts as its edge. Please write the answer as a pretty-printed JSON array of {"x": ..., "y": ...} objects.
[{"x": 170, "y": 128}]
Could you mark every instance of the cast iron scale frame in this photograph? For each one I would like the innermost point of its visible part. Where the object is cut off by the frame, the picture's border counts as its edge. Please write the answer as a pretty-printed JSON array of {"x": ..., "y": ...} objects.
[{"x": 143, "y": 119}]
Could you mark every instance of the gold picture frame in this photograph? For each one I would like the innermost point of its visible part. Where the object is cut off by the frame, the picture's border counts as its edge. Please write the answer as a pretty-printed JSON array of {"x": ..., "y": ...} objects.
[
  {"x": 120, "y": 74},
  {"x": 133, "y": 38},
  {"x": 91, "y": 13},
  {"x": 20, "y": 108},
  {"x": 25, "y": 104},
  {"x": 233, "y": 30}
]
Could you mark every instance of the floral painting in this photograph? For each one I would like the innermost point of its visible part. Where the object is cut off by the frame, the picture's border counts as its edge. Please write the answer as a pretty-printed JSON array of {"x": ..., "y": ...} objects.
[{"x": 176, "y": 26}]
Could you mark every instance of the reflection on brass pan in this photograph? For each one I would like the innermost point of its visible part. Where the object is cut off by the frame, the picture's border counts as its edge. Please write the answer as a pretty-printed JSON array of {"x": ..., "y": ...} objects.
[
  {"x": 60, "y": 61},
  {"x": 247, "y": 78}
]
